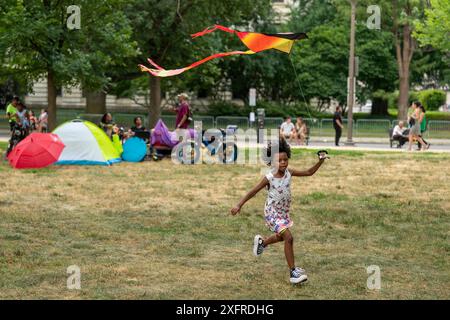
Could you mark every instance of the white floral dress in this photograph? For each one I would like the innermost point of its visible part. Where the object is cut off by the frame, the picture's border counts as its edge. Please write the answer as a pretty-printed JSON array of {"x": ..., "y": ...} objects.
[{"x": 278, "y": 203}]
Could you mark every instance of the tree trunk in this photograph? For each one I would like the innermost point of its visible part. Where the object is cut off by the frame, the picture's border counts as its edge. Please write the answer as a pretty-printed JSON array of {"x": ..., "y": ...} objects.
[
  {"x": 154, "y": 111},
  {"x": 403, "y": 98},
  {"x": 95, "y": 102},
  {"x": 51, "y": 100},
  {"x": 404, "y": 56}
]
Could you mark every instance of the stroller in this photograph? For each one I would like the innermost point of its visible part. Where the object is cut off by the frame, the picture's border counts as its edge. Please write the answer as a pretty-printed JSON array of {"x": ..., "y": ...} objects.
[
  {"x": 165, "y": 143},
  {"x": 226, "y": 149},
  {"x": 18, "y": 133}
]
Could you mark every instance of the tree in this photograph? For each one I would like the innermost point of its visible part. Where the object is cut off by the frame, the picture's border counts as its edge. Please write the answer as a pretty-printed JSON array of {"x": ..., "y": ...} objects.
[
  {"x": 322, "y": 60},
  {"x": 434, "y": 37},
  {"x": 39, "y": 44},
  {"x": 162, "y": 30},
  {"x": 434, "y": 30},
  {"x": 398, "y": 17}
]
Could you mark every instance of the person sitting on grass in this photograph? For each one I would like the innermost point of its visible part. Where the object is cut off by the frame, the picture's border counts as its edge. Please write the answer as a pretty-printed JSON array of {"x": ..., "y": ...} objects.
[
  {"x": 138, "y": 130},
  {"x": 107, "y": 124},
  {"x": 277, "y": 207}
]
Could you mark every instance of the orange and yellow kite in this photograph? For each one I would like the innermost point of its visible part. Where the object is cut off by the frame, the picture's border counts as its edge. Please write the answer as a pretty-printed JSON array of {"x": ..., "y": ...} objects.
[{"x": 255, "y": 42}]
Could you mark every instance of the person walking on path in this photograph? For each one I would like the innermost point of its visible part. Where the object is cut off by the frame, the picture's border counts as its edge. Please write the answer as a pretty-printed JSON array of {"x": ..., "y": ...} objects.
[{"x": 414, "y": 121}]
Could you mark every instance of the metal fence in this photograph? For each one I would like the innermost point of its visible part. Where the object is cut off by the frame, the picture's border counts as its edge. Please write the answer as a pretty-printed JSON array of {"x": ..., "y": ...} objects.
[
  {"x": 437, "y": 129},
  {"x": 272, "y": 123},
  {"x": 169, "y": 121},
  {"x": 3, "y": 122},
  {"x": 327, "y": 128},
  {"x": 207, "y": 121},
  {"x": 67, "y": 115},
  {"x": 314, "y": 126},
  {"x": 241, "y": 122},
  {"x": 94, "y": 118},
  {"x": 372, "y": 127}
]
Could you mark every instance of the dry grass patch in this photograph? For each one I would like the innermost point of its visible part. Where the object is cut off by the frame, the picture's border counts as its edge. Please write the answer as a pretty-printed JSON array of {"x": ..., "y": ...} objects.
[{"x": 158, "y": 231}]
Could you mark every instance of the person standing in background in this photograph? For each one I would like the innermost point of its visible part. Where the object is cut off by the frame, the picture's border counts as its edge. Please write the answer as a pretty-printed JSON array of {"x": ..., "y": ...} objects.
[
  {"x": 33, "y": 121},
  {"x": 43, "y": 121},
  {"x": 183, "y": 112},
  {"x": 337, "y": 124},
  {"x": 23, "y": 117},
  {"x": 11, "y": 111}
]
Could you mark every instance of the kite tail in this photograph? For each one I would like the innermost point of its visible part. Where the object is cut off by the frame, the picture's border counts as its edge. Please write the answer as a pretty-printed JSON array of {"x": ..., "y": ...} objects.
[
  {"x": 160, "y": 72},
  {"x": 211, "y": 30},
  {"x": 154, "y": 64}
]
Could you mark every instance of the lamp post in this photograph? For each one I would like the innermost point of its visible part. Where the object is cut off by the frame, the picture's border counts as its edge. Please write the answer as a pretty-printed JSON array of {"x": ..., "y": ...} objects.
[{"x": 351, "y": 81}]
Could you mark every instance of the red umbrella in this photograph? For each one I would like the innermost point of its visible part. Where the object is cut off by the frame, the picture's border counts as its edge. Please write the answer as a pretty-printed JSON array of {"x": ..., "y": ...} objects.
[{"x": 38, "y": 150}]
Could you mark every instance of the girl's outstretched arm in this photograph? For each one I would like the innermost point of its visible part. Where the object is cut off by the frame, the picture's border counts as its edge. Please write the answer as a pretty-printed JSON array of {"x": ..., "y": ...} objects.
[
  {"x": 309, "y": 172},
  {"x": 264, "y": 182}
]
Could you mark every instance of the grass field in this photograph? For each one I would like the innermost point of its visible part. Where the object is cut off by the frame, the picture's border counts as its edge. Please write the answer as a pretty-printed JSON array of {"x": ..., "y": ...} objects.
[{"x": 160, "y": 231}]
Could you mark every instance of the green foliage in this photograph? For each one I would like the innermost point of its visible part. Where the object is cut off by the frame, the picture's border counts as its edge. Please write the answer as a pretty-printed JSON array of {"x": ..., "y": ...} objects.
[
  {"x": 223, "y": 108},
  {"x": 430, "y": 68},
  {"x": 323, "y": 59},
  {"x": 35, "y": 40},
  {"x": 162, "y": 31},
  {"x": 432, "y": 99},
  {"x": 272, "y": 109},
  {"x": 393, "y": 98},
  {"x": 435, "y": 29}
]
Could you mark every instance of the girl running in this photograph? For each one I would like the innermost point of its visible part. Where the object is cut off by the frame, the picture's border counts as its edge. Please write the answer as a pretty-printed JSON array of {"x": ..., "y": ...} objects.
[{"x": 276, "y": 211}]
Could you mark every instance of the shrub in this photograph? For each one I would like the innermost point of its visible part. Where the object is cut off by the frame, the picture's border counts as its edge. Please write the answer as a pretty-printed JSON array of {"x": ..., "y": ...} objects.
[
  {"x": 432, "y": 99},
  {"x": 225, "y": 108},
  {"x": 393, "y": 98}
]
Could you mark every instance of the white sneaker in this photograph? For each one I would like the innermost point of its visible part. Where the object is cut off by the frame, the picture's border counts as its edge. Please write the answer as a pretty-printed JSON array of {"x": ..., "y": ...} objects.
[
  {"x": 258, "y": 246},
  {"x": 298, "y": 275}
]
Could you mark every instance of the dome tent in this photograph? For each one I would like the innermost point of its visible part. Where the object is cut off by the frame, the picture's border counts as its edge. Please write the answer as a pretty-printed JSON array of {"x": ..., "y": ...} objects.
[{"x": 86, "y": 144}]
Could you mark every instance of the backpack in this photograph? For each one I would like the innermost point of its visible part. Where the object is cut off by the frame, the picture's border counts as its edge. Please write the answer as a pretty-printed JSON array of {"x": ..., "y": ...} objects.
[{"x": 190, "y": 116}]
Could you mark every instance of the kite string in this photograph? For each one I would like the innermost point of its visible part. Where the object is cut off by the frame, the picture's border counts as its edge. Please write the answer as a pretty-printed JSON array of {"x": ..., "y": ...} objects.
[{"x": 301, "y": 89}]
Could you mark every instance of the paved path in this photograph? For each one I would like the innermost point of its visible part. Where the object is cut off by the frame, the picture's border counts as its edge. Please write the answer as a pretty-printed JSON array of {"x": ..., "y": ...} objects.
[{"x": 361, "y": 144}]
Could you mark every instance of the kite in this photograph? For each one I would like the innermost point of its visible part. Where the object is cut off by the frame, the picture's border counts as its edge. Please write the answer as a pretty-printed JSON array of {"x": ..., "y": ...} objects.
[{"x": 255, "y": 42}]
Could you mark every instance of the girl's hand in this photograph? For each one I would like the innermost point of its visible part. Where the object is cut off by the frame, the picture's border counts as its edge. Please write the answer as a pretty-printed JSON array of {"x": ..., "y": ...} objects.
[
  {"x": 323, "y": 154},
  {"x": 235, "y": 210}
]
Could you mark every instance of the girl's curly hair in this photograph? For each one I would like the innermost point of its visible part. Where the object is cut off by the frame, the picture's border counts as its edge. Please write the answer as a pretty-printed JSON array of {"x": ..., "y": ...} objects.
[{"x": 276, "y": 147}]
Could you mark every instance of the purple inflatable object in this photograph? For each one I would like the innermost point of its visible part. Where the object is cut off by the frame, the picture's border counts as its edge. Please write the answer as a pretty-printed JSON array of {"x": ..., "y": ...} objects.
[{"x": 162, "y": 136}]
